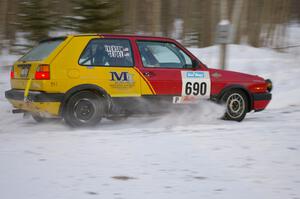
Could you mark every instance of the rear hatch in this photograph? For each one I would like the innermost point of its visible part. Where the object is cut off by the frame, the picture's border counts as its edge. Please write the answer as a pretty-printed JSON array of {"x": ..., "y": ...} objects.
[{"x": 27, "y": 66}]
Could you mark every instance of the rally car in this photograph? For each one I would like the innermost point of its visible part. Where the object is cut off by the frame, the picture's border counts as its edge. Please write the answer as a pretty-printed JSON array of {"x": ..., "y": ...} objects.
[{"x": 85, "y": 77}]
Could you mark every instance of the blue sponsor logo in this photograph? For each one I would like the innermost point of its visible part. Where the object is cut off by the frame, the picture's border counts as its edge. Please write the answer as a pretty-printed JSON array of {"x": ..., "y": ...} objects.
[
  {"x": 123, "y": 76},
  {"x": 195, "y": 74}
]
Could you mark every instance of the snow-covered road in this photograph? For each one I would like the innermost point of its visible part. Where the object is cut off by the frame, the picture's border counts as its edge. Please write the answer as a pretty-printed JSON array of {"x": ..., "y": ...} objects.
[{"x": 187, "y": 155}]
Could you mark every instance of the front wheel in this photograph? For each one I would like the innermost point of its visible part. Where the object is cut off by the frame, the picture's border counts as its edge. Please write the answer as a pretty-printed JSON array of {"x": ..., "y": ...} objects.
[
  {"x": 236, "y": 105},
  {"x": 84, "y": 109}
]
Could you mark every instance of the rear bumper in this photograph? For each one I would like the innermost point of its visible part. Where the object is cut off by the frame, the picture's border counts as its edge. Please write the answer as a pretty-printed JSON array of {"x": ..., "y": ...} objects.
[
  {"x": 34, "y": 96},
  {"x": 261, "y": 101},
  {"x": 47, "y": 104}
]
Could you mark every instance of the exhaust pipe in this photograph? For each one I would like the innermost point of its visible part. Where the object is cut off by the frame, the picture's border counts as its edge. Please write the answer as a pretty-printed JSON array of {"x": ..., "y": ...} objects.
[{"x": 14, "y": 111}]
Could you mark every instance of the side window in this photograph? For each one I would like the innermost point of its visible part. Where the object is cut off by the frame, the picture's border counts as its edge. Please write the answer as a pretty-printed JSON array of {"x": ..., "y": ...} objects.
[
  {"x": 107, "y": 52},
  {"x": 163, "y": 55}
]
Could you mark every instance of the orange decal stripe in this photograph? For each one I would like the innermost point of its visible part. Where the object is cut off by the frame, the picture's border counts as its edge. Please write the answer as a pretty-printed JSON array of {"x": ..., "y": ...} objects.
[{"x": 146, "y": 80}]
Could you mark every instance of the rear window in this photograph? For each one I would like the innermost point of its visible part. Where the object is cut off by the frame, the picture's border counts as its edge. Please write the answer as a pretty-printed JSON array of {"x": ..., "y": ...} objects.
[{"x": 42, "y": 50}]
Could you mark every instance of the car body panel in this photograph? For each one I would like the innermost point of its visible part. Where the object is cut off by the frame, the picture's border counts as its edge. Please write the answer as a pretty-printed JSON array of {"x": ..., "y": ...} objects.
[{"x": 47, "y": 109}]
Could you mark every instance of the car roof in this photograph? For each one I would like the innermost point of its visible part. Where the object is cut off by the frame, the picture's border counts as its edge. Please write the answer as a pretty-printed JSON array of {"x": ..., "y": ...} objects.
[{"x": 122, "y": 36}]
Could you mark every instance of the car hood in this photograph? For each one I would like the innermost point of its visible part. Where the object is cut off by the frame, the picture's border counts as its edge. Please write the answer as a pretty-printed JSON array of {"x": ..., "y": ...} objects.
[{"x": 233, "y": 76}]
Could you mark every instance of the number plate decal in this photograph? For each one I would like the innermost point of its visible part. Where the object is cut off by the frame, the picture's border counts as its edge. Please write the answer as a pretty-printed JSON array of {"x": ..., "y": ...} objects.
[
  {"x": 24, "y": 72},
  {"x": 196, "y": 83}
]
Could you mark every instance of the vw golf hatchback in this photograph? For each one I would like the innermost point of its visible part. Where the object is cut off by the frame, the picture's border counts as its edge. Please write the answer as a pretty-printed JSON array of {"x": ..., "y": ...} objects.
[{"x": 83, "y": 78}]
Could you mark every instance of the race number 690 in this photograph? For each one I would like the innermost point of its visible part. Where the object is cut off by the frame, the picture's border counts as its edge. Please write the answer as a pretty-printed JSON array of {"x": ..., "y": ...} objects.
[{"x": 195, "y": 88}]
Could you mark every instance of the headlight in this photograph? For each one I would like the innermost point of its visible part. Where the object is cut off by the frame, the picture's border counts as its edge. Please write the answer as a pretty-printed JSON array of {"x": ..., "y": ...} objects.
[{"x": 269, "y": 85}]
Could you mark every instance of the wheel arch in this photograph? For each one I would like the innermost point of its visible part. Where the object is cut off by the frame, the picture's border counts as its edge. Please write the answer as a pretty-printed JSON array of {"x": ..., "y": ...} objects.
[
  {"x": 84, "y": 87},
  {"x": 237, "y": 87}
]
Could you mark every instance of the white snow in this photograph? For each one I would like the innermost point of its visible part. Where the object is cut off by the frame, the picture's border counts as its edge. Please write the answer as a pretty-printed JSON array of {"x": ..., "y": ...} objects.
[
  {"x": 181, "y": 155},
  {"x": 224, "y": 22},
  {"x": 6, "y": 59}
]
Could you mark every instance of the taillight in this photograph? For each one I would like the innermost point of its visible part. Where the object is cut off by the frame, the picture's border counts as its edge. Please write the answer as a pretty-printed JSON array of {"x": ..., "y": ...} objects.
[
  {"x": 12, "y": 73},
  {"x": 42, "y": 72}
]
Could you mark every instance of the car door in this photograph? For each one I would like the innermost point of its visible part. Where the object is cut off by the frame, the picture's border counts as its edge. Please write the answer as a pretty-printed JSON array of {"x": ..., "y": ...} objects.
[
  {"x": 109, "y": 63},
  {"x": 170, "y": 71}
]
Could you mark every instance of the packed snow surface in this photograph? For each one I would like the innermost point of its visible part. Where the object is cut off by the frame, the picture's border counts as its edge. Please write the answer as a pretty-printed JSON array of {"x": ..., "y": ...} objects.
[{"x": 191, "y": 154}]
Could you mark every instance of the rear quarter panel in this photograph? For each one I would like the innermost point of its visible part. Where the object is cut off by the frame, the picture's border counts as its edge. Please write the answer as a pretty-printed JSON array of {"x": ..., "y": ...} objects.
[{"x": 39, "y": 85}]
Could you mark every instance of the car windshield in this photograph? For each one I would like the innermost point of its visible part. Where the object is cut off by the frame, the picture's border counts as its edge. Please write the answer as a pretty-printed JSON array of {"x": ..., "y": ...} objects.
[{"x": 42, "y": 50}]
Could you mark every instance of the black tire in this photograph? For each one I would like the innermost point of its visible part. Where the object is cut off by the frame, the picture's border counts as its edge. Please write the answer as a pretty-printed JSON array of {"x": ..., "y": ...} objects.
[
  {"x": 236, "y": 105},
  {"x": 84, "y": 109},
  {"x": 40, "y": 119},
  {"x": 117, "y": 118}
]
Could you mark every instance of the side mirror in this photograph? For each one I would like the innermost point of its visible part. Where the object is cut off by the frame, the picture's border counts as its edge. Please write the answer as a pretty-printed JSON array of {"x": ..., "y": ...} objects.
[{"x": 195, "y": 64}]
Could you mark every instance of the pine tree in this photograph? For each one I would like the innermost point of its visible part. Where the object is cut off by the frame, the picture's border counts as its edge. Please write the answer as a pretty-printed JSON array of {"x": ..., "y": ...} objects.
[
  {"x": 34, "y": 20},
  {"x": 94, "y": 16}
]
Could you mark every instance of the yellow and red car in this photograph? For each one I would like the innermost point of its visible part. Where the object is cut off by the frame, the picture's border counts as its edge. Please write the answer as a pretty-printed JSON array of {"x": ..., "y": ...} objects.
[{"x": 85, "y": 77}]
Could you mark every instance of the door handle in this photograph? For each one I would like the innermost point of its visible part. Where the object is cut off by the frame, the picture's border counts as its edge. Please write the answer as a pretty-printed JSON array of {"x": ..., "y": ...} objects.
[{"x": 148, "y": 74}]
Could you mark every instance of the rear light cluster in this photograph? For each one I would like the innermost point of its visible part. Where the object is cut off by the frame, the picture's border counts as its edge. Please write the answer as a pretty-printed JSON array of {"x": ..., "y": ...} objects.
[
  {"x": 42, "y": 72},
  {"x": 12, "y": 73}
]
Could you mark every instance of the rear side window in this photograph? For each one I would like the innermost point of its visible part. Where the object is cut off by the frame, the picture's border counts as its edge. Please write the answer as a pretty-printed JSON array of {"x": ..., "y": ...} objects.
[
  {"x": 107, "y": 52},
  {"x": 42, "y": 50}
]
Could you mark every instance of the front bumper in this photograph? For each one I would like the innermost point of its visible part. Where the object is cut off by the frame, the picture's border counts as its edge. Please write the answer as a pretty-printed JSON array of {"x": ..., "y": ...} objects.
[
  {"x": 261, "y": 101},
  {"x": 262, "y": 96}
]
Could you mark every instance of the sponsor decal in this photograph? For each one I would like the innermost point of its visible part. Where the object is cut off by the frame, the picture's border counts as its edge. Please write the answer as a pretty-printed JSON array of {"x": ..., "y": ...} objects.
[
  {"x": 114, "y": 51},
  {"x": 216, "y": 75},
  {"x": 185, "y": 99},
  {"x": 196, "y": 84},
  {"x": 123, "y": 76},
  {"x": 121, "y": 80},
  {"x": 195, "y": 74}
]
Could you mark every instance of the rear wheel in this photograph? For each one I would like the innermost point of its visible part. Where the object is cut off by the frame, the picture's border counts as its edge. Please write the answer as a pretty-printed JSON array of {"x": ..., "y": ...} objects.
[
  {"x": 84, "y": 109},
  {"x": 40, "y": 119},
  {"x": 236, "y": 105}
]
